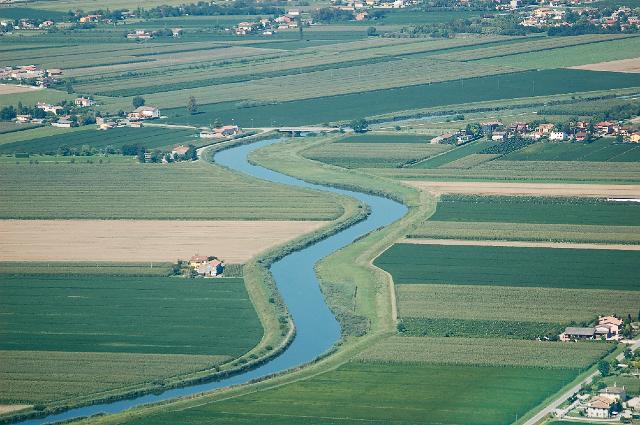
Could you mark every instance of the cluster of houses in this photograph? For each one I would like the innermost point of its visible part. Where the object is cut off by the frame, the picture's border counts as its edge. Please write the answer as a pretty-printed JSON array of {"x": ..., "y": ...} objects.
[
  {"x": 579, "y": 131},
  {"x": 30, "y": 73},
  {"x": 134, "y": 118},
  {"x": 143, "y": 34},
  {"x": 25, "y": 24},
  {"x": 546, "y": 17},
  {"x": 355, "y": 5},
  {"x": 608, "y": 403},
  {"x": 56, "y": 118},
  {"x": 206, "y": 266},
  {"x": 269, "y": 26},
  {"x": 608, "y": 327}
]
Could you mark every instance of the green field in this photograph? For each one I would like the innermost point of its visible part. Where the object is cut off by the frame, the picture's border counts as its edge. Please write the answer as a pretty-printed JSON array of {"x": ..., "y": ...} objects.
[
  {"x": 380, "y": 394},
  {"x": 455, "y": 154},
  {"x": 599, "y": 151},
  {"x": 105, "y": 314},
  {"x": 522, "y": 209},
  {"x": 369, "y": 103},
  {"x": 373, "y": 155},
  {"x": 149, "y": 137},
  {"x": 510, "y": 266},
  {"x": 486, "y": 230},
  {"x": 117, "y": 189},
  {"x": 386, "y": 138},
  {"x": 503, "y": 312},
  {"x": 484, "y": 352}
]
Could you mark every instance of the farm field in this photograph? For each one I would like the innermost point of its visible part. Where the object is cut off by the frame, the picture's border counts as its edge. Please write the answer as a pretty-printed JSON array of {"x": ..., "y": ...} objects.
[
  {"x": 545, "y": 188},
  {"x": 128, "y": 190},
  {"x": 149, "y": 137},
  {"x": 622, "y": 65},
  {"x": 599, "y": 151},
  {"x": 385, "y": 138},
  {"x": 35, "y": 133},
  {"x": 114, "y": 309},
  {"x": 143, "y": 240},
  {"x": 503, "y": 311},
  {"x": 511, "y": 266},
  {"x": 392, "y": 393},
  {"x": 454, "y": 155},
  {"x": 498, "y": 231},
  {"x": 381, "y": 155},
  {"x": 540, "y": 210}
]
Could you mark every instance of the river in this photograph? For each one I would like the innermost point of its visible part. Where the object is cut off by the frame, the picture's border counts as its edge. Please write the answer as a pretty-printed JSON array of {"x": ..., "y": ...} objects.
[{"x": 317, "y": 330}]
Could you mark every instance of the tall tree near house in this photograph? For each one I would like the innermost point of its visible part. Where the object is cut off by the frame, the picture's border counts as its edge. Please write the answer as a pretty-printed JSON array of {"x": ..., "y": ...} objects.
[
  {"x": 69, "y": 87},
  {"x": 138, "y": 101},
  {"x": 192, "y": 105},
  {"x": 300, "y": 30}
]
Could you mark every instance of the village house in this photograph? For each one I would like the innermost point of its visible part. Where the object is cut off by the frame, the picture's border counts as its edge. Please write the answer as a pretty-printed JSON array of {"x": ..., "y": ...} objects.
[
  {"x": 581, "y": 136},
  {"x": 198, "y": 260},
  {"x": 83, "y": 102},
  {"x": 362, "y": 16},
  {"x": 443, "y": 138},
  {"x": 489, "y": 127},
  {"x": 212, "y": 268},
  {"x": 144, "y": 113},
  {"x": 54, "y": 109},
  {"x": 614, "y": 393},
  {"x": 557, "y": 136},
  {"x": 90, "y": 19},
  {"x": 598, "y": 407},
  {"x": 23, "y": 119},
  {"x": 633, "y": 404},
  {"x": 178, "y": 151},
  {"x": 545, "y": 128},
  {"x": 244, "y": 28},
  {"x": 634, "y": 138},
  {"x": 605, "y": 128},
  {"x": 63, "y": 122},
  {"x": 140, "y": 35},
  {"x": 498, "y": 135},
  {"x": 176, "y": 32}
]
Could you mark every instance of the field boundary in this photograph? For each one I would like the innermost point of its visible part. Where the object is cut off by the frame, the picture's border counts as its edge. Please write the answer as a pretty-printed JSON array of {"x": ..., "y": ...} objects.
[{"x": 523, "y": 244}]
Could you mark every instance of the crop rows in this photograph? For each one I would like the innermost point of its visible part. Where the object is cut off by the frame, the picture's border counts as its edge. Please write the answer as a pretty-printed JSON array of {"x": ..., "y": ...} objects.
[
  {"x": 513, "y": 304},
  {"x": 511, "y": 266},
  {"x": 596, "y": 152},
  {"x": 484, "y": 352},
  {"x": 540, "y": 210},
  {"x": 361, "y": 155},
  {"x": 119, "y": 190},
  {"x": 105, "y": 314},
  {"x": 47, "y": 376},
  {"x": 149, "y": 137},
  {"x": 483, "y": 230}
]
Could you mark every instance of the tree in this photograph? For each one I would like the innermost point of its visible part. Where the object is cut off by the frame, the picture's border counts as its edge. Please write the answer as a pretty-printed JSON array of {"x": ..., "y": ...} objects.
[
  {"x": 218, "y": 124},
  {"x": 7, "y": 113},
  {"x": 372, "y": 31},
  {"x": 300, "y": 30},
  {"x": 69, "y": 87},
  {"x": 138, "y": 101},
  {"x": 360, "y": 125},
  {"x": 192, "y": 105},
  {"x": 603, "y": 367}
]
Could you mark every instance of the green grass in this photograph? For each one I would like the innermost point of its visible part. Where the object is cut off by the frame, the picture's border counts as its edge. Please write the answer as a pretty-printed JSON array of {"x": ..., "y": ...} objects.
[
  {"x": 456, "y": 328},
  {"x": 97, "y": 268},
  {"x": 516, "y": 209},
  {"x": 149, "y": 137},
  {"x": 393, "y": 394},
  {"x": 598, "y": 151},
  {"x": 16, "y": 13},
  {"x": 509, "y": 266},
  {"x": 106, "y": 314},
  {"x": 117, "y": 189},
  {"x": 368, "y": 103}
]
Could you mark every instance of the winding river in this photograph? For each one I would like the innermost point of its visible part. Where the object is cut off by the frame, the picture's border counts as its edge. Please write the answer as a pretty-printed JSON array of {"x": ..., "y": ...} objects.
[{"x": 316, "y": 328}]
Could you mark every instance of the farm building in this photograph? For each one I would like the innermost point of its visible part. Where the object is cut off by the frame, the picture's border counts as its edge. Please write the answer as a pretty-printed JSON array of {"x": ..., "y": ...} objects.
[
  {"x": 83, "y": 102},
  {"x": 614, "y": 393},
  {"x": 573, "y": 333},
  {"x": 144, "y": 113},
  {"x": 179, "y": 150},
  {"x": 198, "y": 260},
  {"x": 211, "y": 268}
]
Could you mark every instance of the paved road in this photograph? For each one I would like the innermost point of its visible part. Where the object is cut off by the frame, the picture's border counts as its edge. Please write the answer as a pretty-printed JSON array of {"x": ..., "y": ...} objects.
[{"x": 551, "y": 407}]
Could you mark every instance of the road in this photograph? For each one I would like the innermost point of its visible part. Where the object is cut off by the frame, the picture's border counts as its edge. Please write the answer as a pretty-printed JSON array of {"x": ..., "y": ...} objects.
[{"x": 551, "y": 407}]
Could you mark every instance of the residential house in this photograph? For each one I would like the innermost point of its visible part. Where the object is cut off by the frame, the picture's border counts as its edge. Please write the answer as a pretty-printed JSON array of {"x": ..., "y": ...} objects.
[
  {"x": 198, "y": 260},
  {"x": 598, "y": 407},
  {"x": 575, "y": 333},
  {"x": 498, "y": 135},
  {"x": 489, "y": 126},
  {"x": 144, "y": 113},
  {"x": 362, "y": 16},
  {"x": 63, "y": 123},
  {"x": 140, "y": 35},
  {"x": 443, "y": 138},
  {"x": 176, "y": 32},
  {"x": 178, "y": 151},
  {"x": 614, "y": 393},
  {"x": 558, "y": 136},
  {"x": 54, "y": 109},
  {"x": 212, "y": 268},
  {"x": 90, "y": 18},
  {"x": 633, "y": 404},
  {"x": 244, "y": 28},
  {"x": 23, "y": 119},
  {"x": 545, "y": 128},
  {"x": 228, "y": 130},
  {"x": 463, "y": 138},
  {"x": 605, "y": 128},
  {"x": 293, "y": 12},
  {"x": 634, "y": 138},
  {"x": 83, "y": 102},
  {"x": 581, "y": 136}
]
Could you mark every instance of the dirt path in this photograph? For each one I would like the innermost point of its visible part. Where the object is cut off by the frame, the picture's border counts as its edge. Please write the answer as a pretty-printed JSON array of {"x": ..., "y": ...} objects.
[
  {"x": 143, "y": 240},
  {"x": 8, "y": 408},
  {"x": 524, "y": 244},
  {"x": 536, "y": 189},
  {"x": 623, "y": 65}
]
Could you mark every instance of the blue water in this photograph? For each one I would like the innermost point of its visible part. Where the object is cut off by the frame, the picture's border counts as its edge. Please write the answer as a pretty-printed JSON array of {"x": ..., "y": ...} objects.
[{"x": 316, "y": 328}]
